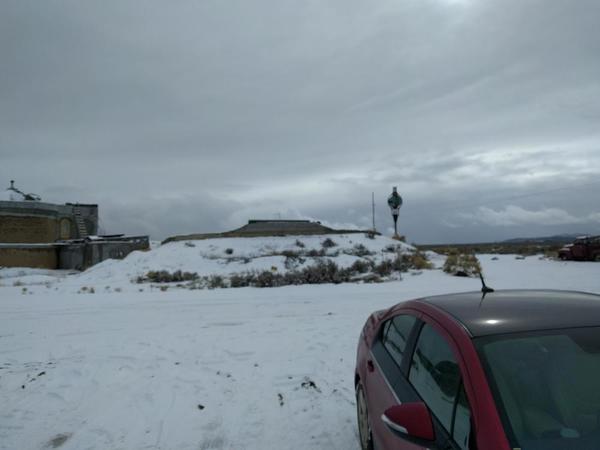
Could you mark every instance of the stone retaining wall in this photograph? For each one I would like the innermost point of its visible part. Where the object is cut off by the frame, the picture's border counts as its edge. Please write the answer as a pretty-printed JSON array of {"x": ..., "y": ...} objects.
[{"x": 39, "y": 257}]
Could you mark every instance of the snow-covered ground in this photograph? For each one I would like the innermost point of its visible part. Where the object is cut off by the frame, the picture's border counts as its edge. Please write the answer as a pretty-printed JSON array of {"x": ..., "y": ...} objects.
[{"x": 236, "y": 369}]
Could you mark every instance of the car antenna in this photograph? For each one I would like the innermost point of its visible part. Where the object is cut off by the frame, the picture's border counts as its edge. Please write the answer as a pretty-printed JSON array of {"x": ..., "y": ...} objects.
[{"x": 485, "y": 289}]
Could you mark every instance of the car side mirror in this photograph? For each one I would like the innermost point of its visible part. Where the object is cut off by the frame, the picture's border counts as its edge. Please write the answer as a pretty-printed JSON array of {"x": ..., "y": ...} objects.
[{"x": 410, "y": 421}]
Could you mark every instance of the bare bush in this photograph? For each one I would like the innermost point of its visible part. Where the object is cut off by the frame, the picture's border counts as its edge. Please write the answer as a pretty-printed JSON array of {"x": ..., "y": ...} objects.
[
  {"x": 241, "y": 280},
  {"x": 267, "y": 278},
  {"x": 328, "y": 243},
  {"x": 384, "y": 268},
  {"x": 402, "y": 262},
  {"x": 163, "y": 276},
  {"x": 322, "y": 272},
  {"x": 292, "y": 260},
  {"x": 361, "y": 250},
  {"x": 361, "y": 266},
  {"x": 462, "y": 265},
  {"x": 419, "y": 261},
  {"x": 215, "y": 281}
]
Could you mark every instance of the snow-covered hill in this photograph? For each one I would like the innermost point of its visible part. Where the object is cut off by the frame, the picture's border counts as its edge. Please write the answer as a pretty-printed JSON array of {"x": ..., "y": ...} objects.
[{"x": 221, "y": 257}]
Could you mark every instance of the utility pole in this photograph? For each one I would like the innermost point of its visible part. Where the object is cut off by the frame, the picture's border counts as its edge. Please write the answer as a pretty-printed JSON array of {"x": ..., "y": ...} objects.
[{"x": 373, "y": 209}]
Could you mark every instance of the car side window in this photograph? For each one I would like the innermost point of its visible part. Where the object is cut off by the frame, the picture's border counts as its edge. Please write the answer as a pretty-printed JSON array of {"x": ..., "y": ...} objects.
[
  {"x": 435, "y": 375},
  {"x": 396, "y": 333},
  {"x": 461, "y": 430}
]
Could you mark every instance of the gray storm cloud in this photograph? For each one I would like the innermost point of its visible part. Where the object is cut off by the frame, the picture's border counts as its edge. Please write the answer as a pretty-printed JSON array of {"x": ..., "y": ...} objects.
[{"x": 198, "y": 115}]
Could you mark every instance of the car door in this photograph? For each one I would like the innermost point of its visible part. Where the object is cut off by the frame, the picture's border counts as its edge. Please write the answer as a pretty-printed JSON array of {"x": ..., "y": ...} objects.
[
  {"x": 433, "y": 376},
  {"x": 383, "y": 374},
  {"x": 415, "y": 363}
]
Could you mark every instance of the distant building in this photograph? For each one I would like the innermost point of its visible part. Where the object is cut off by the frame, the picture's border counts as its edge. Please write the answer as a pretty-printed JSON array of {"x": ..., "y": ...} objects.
[
  {"x": 24, "y": 218},
  {"x": 258, "y": 228},
  {"x": 38, "y": 234}
]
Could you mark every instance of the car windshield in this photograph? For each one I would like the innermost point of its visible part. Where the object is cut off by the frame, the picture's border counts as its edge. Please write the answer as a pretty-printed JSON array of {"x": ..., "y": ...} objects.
[{"x": 546, "y": 387}]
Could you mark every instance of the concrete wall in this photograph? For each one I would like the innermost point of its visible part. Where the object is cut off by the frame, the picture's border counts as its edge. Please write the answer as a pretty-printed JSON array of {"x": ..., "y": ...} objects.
[
  {"x": 80, "y": 256},
  {"x": 71, "y": 256},
  {"x": 42, "y": 256}
]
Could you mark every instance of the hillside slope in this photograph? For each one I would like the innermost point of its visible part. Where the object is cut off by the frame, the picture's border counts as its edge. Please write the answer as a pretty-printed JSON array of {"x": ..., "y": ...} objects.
[{"x": 223, "y": 258}]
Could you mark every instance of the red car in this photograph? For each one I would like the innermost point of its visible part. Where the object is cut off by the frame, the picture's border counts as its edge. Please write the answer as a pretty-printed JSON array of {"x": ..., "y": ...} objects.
[{"x": 511, "y": 370}]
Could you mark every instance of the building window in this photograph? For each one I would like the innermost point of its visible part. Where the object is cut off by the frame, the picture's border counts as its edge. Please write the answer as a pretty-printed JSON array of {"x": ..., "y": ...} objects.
[{"x": 65, "y": 229}]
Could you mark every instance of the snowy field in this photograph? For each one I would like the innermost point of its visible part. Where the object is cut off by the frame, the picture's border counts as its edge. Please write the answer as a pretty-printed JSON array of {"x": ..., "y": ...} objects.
[{"x": 239, "y": 368}]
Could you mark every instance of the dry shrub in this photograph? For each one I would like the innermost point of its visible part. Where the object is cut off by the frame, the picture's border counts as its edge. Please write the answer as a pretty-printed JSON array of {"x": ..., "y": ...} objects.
[
  {"x": 328, "y": 243},
  {"x": 163, "y": 276},
  {"x": 384, "y": 268},
  {"x": 361, "y": 266},
  {"x": 267, "y": 278},
  {"x": 402, "y": 262},
  {"x": 216, "y": 281},
  {"x": 462, "y": 265},
  {"x": 419, "y": 261},
  {"x": 241, "y": 280},
  {"x": 361, "y": 250}
]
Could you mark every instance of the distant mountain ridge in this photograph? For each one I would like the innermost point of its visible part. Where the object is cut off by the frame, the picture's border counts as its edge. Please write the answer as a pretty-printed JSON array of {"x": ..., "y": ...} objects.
[{"x": 555, "y": 239}]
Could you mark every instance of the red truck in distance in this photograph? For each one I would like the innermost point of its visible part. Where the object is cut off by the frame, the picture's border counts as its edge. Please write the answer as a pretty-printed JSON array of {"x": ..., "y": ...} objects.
[{"x": 585, "y": 248}]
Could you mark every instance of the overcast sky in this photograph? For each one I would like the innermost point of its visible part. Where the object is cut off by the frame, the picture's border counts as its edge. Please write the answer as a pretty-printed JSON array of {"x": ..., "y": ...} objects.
[{"x": 195, "y": 116}]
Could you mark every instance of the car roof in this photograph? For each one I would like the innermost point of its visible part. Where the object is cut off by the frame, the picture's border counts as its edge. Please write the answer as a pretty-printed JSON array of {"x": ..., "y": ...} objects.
[{"x": 514, "y": 311}]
